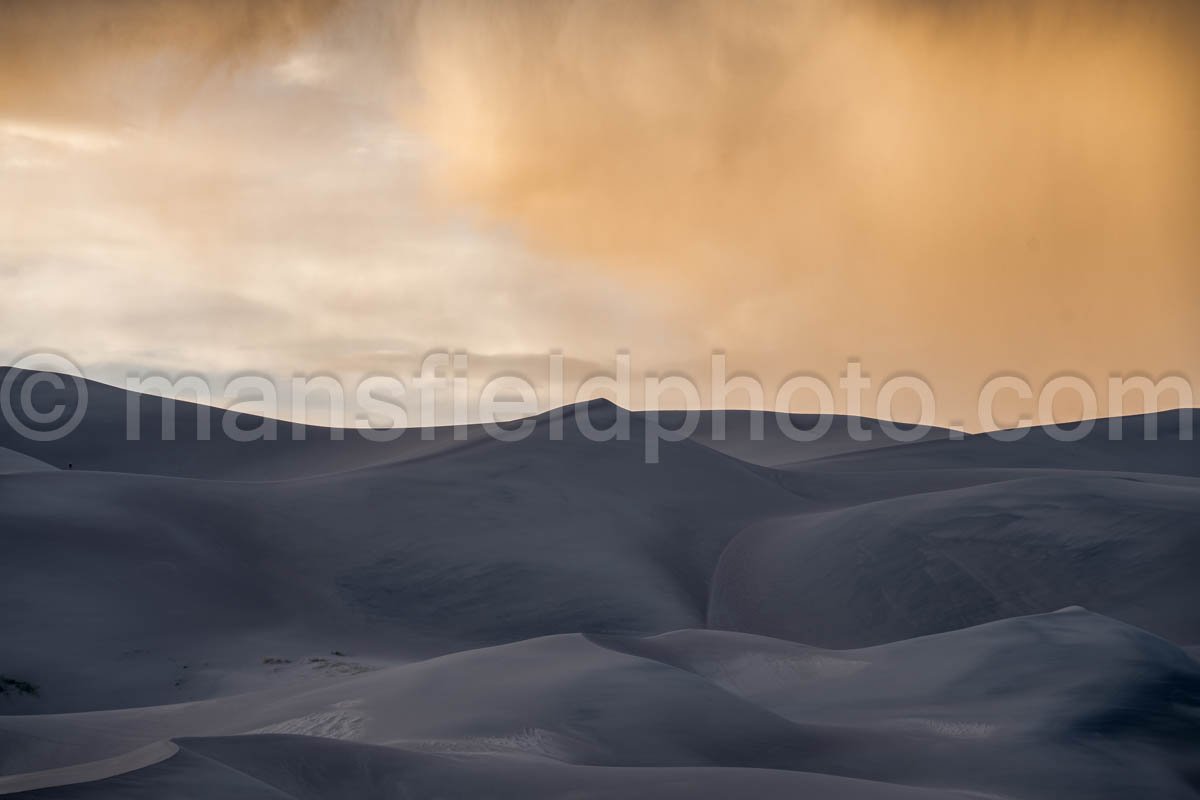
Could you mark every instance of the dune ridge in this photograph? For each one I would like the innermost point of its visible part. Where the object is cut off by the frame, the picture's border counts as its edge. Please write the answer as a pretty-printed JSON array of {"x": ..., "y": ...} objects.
[{"x": 452, "y": 617}]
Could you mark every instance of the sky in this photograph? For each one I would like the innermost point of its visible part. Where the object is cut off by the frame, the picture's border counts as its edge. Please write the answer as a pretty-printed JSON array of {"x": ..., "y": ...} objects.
[{"x": 951, "y": 190}]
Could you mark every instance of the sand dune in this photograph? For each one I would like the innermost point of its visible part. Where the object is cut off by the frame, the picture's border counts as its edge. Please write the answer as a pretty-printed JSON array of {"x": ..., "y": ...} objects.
[
  {"x": 11, "y": 461},
  {"x": 1122, "y": 544},
  {"x": 1083, "y": 703},
  {"x": 467, "y": 618}
]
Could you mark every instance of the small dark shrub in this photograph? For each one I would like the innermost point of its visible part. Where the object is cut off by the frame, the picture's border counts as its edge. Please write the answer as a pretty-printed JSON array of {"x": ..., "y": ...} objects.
[{"x": 8, "y": 684}]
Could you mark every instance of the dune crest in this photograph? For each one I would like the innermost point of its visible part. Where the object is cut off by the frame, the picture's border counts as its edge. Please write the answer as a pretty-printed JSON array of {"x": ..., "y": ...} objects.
[{"x": 332, "y": 617}]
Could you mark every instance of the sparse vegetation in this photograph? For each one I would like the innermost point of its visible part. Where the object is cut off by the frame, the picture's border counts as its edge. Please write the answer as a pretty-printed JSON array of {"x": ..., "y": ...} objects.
[
  {"x": 15, "y": 686},
  {"x": 271, "y": 660}
]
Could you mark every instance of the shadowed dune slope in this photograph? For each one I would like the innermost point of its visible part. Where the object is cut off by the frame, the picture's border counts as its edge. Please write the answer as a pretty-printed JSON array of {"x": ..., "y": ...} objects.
[
  {"x": 436, "y": 616},
  {"x": 11, "y": 461},
  {"x": 182, "y": 439},
  {"x": 1089, "y": 707},
  {"x": 492, "y": 543},
  {"x": 920, "y": 564}
]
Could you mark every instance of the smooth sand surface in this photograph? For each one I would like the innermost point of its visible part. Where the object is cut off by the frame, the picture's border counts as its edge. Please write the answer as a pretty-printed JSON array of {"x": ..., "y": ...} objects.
[{"x": 466, "y": 618}]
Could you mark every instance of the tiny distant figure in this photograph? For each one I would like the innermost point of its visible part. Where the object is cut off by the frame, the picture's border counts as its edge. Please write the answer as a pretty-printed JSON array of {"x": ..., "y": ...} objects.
[{"x": 70, "y": 466}]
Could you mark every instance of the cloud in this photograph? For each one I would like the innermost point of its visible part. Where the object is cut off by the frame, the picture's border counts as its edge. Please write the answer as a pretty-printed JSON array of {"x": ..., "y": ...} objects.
[
  {"x": 939, "y": 187},
  {"x": 70, "y": 57},
  {"x": 947, "y": 188}
]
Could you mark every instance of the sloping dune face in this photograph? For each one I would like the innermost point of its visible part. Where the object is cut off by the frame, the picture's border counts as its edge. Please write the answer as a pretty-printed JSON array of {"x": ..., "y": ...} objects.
[
  {"x": 1122, "y": 544},
  {"x": 12, "y": 461},
  {"x": 455, "y": 616}
]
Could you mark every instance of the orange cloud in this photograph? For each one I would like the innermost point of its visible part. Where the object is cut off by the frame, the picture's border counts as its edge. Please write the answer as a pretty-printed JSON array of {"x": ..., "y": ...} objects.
[
  {"x": 938, "y": 187},
  {"x": 63, "y": 57},
  {"x": 945, "y": 188}
]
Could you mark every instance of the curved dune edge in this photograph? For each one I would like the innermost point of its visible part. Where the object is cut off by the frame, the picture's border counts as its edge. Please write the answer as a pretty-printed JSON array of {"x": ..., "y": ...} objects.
[
  {"x": 15, "y": 463},
  {"x": 134, "y": 760}
]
